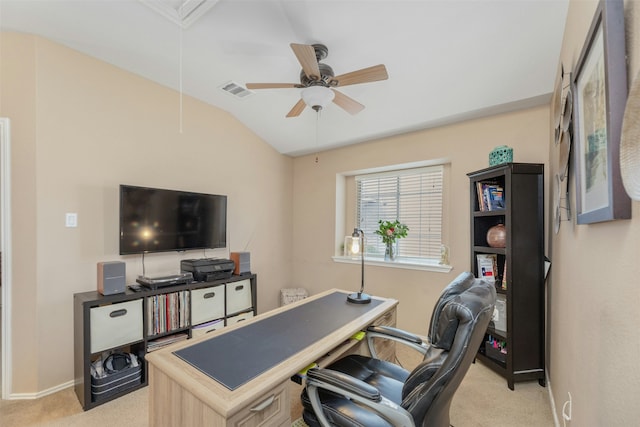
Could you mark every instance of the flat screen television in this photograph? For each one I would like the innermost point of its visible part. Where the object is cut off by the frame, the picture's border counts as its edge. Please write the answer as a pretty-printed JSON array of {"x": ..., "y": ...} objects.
[{"x": 158, "y": 220}]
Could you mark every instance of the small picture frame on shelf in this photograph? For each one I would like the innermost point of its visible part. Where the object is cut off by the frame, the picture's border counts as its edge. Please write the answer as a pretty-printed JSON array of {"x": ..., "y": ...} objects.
[{"x": 487, "y": 267}]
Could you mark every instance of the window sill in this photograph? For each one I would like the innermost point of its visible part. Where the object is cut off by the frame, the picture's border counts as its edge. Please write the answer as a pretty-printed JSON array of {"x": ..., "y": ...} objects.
[{"x": 406, "y": 263}]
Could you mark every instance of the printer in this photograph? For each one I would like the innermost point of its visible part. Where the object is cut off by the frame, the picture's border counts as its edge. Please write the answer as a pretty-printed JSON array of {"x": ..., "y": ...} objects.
[{"x": 208, "y": 269}]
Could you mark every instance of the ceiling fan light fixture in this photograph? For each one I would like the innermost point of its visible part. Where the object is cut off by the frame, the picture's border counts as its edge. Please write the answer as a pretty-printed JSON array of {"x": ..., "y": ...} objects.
[{"x": 317, "y": 97}]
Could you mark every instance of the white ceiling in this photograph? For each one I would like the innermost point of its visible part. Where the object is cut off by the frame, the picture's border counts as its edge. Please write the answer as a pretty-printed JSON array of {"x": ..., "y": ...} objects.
[{"x": 447, "y": 60}]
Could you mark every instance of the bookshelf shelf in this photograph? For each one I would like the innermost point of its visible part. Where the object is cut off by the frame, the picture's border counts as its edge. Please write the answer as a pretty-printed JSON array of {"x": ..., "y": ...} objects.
[
  {"x": 489, "y": 250},
  {"x": 489, "y": 213},
  {"x": 164, "y": 334},
  {"x": 522, "y": 213},
  {"x": 497, "y": 334}
]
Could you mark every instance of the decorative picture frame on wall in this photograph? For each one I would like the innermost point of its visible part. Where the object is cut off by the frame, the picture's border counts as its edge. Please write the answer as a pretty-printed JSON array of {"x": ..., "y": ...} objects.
[{"x": 599, "y": 93}]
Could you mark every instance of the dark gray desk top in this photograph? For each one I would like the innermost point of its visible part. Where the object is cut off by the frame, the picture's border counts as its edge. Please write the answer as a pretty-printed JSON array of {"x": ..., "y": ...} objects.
[{"x": 237, "y": 357}]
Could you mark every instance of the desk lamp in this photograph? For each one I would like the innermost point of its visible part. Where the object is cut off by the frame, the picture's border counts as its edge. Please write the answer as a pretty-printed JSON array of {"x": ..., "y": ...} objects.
[{"x": 357, "y": 245}]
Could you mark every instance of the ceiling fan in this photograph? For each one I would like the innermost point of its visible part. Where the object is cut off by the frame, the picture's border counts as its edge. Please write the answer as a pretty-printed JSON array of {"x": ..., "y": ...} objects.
[{"x": 318, "y": 81}]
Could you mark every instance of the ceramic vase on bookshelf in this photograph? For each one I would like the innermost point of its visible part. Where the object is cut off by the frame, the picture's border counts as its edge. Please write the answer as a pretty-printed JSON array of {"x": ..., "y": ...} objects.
[{"x": 497, "y": 236}]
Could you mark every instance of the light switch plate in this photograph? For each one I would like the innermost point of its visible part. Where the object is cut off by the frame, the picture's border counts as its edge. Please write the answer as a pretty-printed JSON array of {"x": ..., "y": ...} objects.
[{"x": 71, "y": 220}]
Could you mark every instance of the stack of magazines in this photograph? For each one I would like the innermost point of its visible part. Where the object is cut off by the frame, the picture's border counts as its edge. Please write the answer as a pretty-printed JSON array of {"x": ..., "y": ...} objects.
[{"x": 166, "y": 340}]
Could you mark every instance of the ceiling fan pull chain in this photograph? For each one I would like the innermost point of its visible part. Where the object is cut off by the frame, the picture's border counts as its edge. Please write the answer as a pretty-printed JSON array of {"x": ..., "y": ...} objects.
[
  {"x": 317, "y": 125},
  {"x": 180, "y": 14},
  {"x": 180, "y": 83}
]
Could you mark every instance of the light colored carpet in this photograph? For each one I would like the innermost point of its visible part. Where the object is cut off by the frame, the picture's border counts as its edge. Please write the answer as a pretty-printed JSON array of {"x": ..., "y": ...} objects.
[{"x": 482, "y": 400}]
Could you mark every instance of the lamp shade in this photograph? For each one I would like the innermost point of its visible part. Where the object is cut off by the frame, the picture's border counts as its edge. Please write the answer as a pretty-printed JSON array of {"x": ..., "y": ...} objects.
[
  {"x": 355, "y": 242},
  {"x": 317, "y": 97}
]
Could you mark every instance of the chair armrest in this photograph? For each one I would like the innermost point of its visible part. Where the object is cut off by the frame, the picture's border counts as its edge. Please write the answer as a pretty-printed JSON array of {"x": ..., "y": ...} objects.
[
  {"x": 403, "y": 337},
  {"x": 356, "y": 390},
  {"x": 345, "y": 382},
  {"x": 395, "y": 332}
]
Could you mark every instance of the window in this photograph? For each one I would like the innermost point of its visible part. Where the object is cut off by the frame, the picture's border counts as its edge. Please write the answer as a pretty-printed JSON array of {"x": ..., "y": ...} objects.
[{"x": 414, "y": 197}]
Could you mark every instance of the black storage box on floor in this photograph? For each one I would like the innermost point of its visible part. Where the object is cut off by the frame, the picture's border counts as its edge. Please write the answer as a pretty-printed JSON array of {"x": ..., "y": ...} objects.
[
  {"x": 102, "y": 388},
  {"x": 494, "y": 353}
]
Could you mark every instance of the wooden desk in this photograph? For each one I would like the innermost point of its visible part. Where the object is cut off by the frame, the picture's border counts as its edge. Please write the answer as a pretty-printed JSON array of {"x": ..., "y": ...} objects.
[{"x": 180, "y": 394}]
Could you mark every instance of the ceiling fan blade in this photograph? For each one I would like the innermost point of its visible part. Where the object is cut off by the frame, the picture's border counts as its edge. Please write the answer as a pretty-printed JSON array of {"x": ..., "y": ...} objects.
[
  {"x": 297, "y": 109},
  {"x": 366, "y": 75},
  {"x": 348, "y": 104},
  {"x": 306, "y": 55},
  {"x": 272, "y": 85}
]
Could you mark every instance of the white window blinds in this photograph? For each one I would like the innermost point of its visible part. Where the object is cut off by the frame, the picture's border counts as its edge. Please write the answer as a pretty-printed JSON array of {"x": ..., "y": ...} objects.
[{"x": 412, "y": 196}]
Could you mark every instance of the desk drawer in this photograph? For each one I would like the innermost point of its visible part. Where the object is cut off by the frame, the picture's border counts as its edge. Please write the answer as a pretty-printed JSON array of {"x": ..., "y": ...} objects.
[
  {"x": 207, "y": 304},
  {"x": 115, "y": 325},
  {"x": 271, "y": 409},
  {"x": 238, "y": 296},
  {"x": 387, "y": 319}
]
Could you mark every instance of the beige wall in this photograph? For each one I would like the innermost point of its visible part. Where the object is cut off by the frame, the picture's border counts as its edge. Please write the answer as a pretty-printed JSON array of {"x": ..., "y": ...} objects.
[
  {"x": 466, "y": 145},
  {"x": 593, "y": 285},
  {"x": 80, "y": 128},
  {"x": 18, "y": 102}
]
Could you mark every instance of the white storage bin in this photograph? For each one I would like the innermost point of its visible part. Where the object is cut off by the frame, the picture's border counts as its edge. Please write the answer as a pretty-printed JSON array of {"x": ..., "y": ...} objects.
[
  {"x": 239, "y": 318},
  {"x": 499, "y": 318},
  {"x": 207, "y": 304},
  {"x": 238, "y": 296},
  {"x": 115, "y": 325},
  {"x": 207, "y": 327}
]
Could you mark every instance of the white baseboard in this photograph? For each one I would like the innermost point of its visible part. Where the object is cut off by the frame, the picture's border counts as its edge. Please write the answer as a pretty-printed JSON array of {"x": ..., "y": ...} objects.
[
  {"x": 31, "y": 396},
  {"x": 556, "y": 420}
]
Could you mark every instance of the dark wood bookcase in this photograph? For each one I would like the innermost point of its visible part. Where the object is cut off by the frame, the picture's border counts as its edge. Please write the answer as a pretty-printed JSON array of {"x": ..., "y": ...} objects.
[{"x": 521, "y": 299}]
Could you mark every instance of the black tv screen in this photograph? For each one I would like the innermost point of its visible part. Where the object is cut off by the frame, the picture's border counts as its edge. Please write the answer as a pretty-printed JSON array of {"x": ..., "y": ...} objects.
[{"x": 157, "y": 220}]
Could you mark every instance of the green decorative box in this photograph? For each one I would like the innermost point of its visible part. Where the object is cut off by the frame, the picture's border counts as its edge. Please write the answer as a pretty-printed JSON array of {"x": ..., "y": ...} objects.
[{"x": 500, "y": 155}]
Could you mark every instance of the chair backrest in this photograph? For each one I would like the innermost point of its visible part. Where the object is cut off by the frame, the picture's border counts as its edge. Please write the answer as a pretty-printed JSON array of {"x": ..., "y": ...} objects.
[
  {"x": 456, "y": 287},
  {"x": 457, "y": 329}
]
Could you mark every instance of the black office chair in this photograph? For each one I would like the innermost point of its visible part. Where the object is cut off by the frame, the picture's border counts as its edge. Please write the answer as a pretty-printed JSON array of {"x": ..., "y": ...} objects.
[{"x": 365, "y": 391}]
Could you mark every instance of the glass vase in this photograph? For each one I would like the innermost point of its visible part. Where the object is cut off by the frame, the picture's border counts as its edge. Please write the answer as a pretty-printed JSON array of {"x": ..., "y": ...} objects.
[{"x": 390, "y": 251}]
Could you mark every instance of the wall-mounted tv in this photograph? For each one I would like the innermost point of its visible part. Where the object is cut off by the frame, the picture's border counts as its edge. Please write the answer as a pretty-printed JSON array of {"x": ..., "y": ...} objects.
[{"x": 158, "y": 220}]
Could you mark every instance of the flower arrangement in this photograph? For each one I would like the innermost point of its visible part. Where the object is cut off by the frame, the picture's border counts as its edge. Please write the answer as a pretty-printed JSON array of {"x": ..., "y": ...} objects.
[{"x": 391, "y": 230}]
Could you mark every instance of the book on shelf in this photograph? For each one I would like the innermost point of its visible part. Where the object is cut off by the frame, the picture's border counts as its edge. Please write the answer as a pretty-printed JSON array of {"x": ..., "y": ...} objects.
[
  {"x": 503, "y": 285},
  {"x": 495, "y": 197},
  {"x": 167, "y": 312},
  {"x": 487, "y": 267},
  {"x": 490, "y": 196},
  {"x": 480, "y": 195}
]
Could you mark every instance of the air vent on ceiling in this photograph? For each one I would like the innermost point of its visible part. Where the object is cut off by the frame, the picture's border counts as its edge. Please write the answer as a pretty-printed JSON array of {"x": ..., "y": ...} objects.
[
  {"x": 181, "y": 12},
  {"x": 236, "y": 90}
]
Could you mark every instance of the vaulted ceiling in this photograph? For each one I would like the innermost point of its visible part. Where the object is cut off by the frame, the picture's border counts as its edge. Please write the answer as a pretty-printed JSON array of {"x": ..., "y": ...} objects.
[{"x": 447, "y": 60}]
